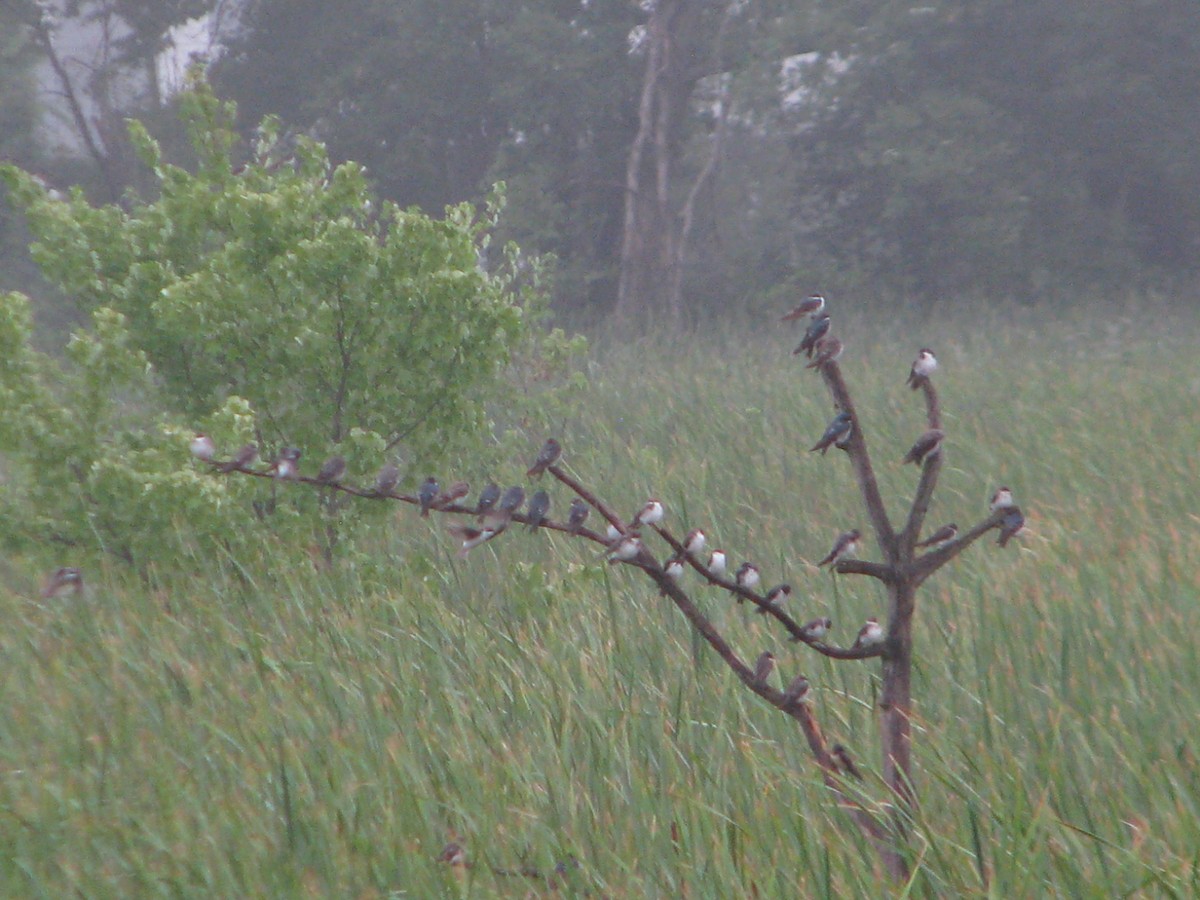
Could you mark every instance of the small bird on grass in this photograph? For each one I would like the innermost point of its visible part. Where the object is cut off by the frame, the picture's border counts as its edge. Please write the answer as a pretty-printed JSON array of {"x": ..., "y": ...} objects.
[
  {"x": 67, "y": 580},
  {"x": 547, "y": 456}
]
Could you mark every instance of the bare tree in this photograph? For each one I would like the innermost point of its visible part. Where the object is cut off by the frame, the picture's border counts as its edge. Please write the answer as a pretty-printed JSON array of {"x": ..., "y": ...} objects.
[{"x": 906, "y": 563}]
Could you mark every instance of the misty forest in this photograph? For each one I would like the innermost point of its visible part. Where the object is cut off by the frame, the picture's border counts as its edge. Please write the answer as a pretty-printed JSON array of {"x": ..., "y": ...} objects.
[{"x": 600, "y": 448}]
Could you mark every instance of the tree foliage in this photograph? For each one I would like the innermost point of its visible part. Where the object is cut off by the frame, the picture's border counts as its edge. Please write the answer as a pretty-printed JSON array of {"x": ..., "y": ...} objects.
[{"x": 278, "y": 292}]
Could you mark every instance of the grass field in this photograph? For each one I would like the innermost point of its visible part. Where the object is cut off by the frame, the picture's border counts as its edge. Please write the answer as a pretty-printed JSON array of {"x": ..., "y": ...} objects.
[{"x": 237, "y": 728}]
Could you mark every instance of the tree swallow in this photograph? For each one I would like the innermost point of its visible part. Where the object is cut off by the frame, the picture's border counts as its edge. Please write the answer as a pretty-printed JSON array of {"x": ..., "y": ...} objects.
[
  {"x": 927, "y": 445},
  {"x": 816, "y": 629},
  {"x": 203, "y": 447},
  {"x": 747, "y": 576},
  {"x": 716, "y": 562},
  {"x": 812, "y": 305},
  {"x": 577, "y": 514},
  {"x": 816, "y": 330},
  {"x": 870, "y": 635},
  {"x": 241, "y": 459},
  {"x": 943, "y": 535},
  {"x": 426, "y": 494},
  {"x": 925, "y": 365},
  {"x": 387, "y": 479},
  {"x": 455, "y": 492},
  {"x": 838, "y": 430},
  {"x": 694, "y": 542},
  {"x": 472, "y": 537},
  {"x": 1002, "y": 499},
  {"x": 512, "y": 499},
  {"x": 539, "y": 505},
  {"x": 332, "y": 470},
  {"x": 287, "y": 463},
  {"x": 453, "y": 854},
  {"x": 1012, "y": 524},
  {"x": 547, "y": 456},
  {"x": 842, "y": 757},
  {"x": 650, "y": 514},
  {"x": 829, "y": 349},
  {"x": 764, "y": 666},
  {"x": 797, "y": 691},
  {"x": 845, "y": 545},
  {"x": 624, "y": 549},
  {"x": 487, "y": 498},
  {"x": 776, "y": 596},
  {"x": 68, "y": 579}
]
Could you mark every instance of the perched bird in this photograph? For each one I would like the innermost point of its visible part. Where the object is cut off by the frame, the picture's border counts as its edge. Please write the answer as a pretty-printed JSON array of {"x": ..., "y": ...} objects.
[
  {"x": 925, "y": 365},
  {"x": 624, "y": 549},
  {"x": 287, "y": 463},
  {"x": 241, "y": 459},
  {"x": 1002, "y": 499},
  {"x": 816, "y": 629},
  {"x": 539, "y": 506},
  {"x": 838, "y": 431},
  {"x": 650, "y": 514},
  {"x": 764, "y": 666},
  {"x": 68, "y": 579},
  {"x": 453, "y": 854},
  {"x": 747, "y": 576},
  {"x": 547, "y": 456},
  {"x": 577, "y": 514},
  {"x": 332, "y": 470},
  {"x": 203, "y": 447},
  {"x": 812, "y": 306},
  {"x": 776, "y": 596},
  {"x": 472, "y": 537},
  {"x": 487, "y": 498},
  {"x": 387, "y": 479},
  {"x": 426, "y": 494},
  {"x": 797, "y": 691},
  {"x": 674, "y": 567},
  {"x": 842, "y": 757},
  {"x": 716, "y": 562},
  {"x": 512, "y": 499},
  {"x": 870, "y": 635},
  {"x": 817, "y": 329},
  {"x": 845, "y": 545},
  {"x": 695, "y": 541},
  {"x": 943, "y": 535},
  {"x": 829, "y": 349},
  {"x": 455, "y": 492},
  {"x": 612, "y": 532},
  {"x": 927, "y": 445},
  {"x": 1012, "y": 524}
]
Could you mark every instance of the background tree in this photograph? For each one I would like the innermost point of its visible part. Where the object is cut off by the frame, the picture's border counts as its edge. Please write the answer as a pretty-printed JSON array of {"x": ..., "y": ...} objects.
[{"x": 283, "y": 285}]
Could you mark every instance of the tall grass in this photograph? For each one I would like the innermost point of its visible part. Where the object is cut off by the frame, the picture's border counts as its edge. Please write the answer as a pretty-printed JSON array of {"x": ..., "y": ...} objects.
[{"x": 257, "y": 729}]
